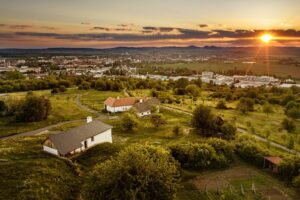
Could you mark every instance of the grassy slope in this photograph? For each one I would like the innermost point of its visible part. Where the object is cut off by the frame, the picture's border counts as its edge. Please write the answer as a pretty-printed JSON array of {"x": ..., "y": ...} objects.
[{"x": 27, "y": 172}]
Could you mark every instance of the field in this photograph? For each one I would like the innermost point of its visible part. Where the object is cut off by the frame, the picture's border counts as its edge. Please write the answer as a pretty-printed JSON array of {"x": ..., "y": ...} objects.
[
  {"x": 257, "y": 122},
  {"x": 276, "y": 69},
  {"x": 64, "y": 108},
  {"x": 29, "y": 167}
]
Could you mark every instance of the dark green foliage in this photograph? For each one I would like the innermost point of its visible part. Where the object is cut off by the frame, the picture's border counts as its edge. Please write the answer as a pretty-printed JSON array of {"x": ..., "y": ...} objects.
[
  {"x": 249, "y": 150},
  {"x": 287, "y": 98},
  {"x": 138, "y": 172},
  {"x": 222, "y": 148},
  {"x": 201, "y": 156},
  {"x": 228, "y": 130},
  {"x": 288, "y": 124},
  {"x": 157, "y": 120},
  {"x": 289, "y": 168},
  {"x": 221, "y": 105},
  {"x": 33, "y": 108},
  {"x": 3, "y": 108},
  {"x": 129, "y": 121},
  {"x": 203, "y": 118},
  {"x": 245, "y": 105}
]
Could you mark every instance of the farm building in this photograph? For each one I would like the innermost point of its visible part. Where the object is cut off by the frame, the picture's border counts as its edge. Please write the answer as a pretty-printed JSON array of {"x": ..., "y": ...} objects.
[
  {"x": 272, "y": 163},
  {"x": 142, "y": 105},
  {"x": 78, "y": 139}
]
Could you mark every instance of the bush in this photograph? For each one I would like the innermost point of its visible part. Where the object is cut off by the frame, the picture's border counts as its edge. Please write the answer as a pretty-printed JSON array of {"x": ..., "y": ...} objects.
[
  {"x": 289, "y": 168},
  {"x": 192, "y": 90},
  {"x": 200, "y": 156},
  {"x": 245, "y": 105},
  {"x": 228, "y": 131},
  {"x": 128, "y": 122},
  {"x": 157, "y": 120},
  {"x": 288, "y": 124},
  {"x": 33, "y": 109},
  {"x": 222, "y": 147},
  {"x": 250, "y": 151},
  {"x": 138, "y": 172},
  {"x": 221, "y": 105},
  {"x": 3, "y": 108},
  {"x": 293, "y": 113}
]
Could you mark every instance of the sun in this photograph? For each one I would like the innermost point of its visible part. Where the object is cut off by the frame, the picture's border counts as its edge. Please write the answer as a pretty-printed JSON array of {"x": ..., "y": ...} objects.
[{"x": 266, "y": 38}]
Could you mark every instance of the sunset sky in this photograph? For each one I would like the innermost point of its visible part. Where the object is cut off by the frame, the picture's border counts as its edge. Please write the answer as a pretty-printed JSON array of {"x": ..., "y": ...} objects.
[{"x": 111, "y": 23}]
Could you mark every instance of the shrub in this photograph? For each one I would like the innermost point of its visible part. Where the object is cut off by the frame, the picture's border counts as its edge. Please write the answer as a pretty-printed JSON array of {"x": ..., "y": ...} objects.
[
  {"x": 228, "y": 130},
  {"x": 288, "y": 124},
  {"x": 138, "y": 172},
  {"x": 289, "y": 168},
  {"x": 222, "y": 147},
  {"x": 245, "y": 105},
  {"x": 199, "y": 156},
  {"x": 192, "y": 90},
  {"x": 293, "y": 113},
  {"x": 249, "y": 150},
  {"x": 221, "y": 105},
  {"x": 157, "y": 120},
  {"x": 128, "y": 122}
]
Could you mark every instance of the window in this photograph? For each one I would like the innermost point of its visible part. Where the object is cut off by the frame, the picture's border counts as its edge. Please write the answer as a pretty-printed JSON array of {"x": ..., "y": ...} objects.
[
  {"x": 85, "y": 144},
  {"x": 92, "y": 139}
]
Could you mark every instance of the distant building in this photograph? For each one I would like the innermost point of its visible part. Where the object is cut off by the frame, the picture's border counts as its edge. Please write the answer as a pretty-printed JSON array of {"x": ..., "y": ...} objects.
[
  {"x": 207, "y": 77},
  {"x": 272, "y": 163},
  {"x": 78, "y": 139},
  {"x": 142, "y": 105}
]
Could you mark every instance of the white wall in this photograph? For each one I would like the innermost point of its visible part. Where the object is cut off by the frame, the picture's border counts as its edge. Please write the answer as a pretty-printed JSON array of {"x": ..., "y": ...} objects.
[
  {"x": 144, "y": 113},
  {"x": 117, "y": 109},
  {"x": 50, "y": 150}
]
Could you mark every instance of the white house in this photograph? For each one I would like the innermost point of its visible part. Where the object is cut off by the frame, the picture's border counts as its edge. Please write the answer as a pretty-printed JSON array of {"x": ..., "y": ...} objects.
[
  {"x": 142, "y": 105},
  {"x": 78, "y": 139}
]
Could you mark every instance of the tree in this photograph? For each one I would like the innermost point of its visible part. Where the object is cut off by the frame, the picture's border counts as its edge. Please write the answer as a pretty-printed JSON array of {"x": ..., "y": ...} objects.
[
  {"x": 33, "y": 108},
  {"x": 288, "y": 124},
  {"x": 3, "y": 108},
  {"x": 267, "y": 108},
  {"x": 221, "y": 105},
  {"x": 157, "y": 120},
  {"x": 293, "y": 113},
  {"x": 62, "y": 88},
  {"x": 192, "y": 90},
  {"x": 138, "y": 172},
  {"x": 245, "y": 105},
  {"x": 203, "y": 118},
  {"x": 128, "y": 121}
]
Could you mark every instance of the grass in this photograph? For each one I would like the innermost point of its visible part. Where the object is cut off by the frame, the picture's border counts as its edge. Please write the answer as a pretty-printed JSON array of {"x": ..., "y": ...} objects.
[
  {"x": 64, "y": 108},
  {"x": 94, "y": 99},
  {"x": 28, "y": 172},
  {"x": 207, "y": 184}
]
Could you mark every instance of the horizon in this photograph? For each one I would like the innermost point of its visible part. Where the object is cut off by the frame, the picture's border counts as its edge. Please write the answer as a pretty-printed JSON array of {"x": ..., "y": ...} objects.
[{"x": 101, "y": 24}]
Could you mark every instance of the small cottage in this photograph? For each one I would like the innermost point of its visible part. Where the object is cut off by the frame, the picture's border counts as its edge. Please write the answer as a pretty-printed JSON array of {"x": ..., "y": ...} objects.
[
  {"x": 272, "y": 163},
  {"x": 78, "y": 139},
  {"x": 142, "y": 105}
]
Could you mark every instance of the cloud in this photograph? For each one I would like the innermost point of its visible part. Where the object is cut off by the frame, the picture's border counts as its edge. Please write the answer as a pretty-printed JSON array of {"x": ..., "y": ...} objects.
[
  {"x": 16, "y": 26},
  {"x": 101, "y": 28},
  {"x": 85, "y": 23},
  {"x": 158, "y": 29},
  {"x": 203, "y": 25},
  {"x": 110, "y": 29}
]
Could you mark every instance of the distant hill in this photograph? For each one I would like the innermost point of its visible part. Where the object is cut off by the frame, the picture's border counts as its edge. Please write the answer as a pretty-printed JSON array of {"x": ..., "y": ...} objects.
[{"x": 207, "y": 50}]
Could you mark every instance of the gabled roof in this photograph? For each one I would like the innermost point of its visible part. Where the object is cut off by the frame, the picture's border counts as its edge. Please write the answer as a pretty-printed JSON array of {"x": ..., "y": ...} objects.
[
  {"x": 70, "y": 140},
  {"x": 274, "y": 160},
  {"x": 117, "y": 102},
  {"x": 146, "y": 105}
]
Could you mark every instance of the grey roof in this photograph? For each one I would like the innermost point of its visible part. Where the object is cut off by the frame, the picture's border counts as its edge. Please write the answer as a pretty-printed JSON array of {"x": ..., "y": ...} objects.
[
  {"x": 70, "y": 140},
  {"x": 146, "y": 105}
]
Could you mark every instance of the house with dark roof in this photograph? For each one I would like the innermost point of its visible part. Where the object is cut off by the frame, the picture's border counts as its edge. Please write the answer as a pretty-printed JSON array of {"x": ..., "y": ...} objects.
[
  {"x": 78, "y": 139},
  {"x": 142, "y": 105}
]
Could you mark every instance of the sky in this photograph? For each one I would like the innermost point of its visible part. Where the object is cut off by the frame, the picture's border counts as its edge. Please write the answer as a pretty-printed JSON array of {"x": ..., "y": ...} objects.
[{"x": 139, "y": 23}]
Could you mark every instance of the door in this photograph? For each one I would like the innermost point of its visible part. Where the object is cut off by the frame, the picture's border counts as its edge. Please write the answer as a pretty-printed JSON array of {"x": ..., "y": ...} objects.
[{"x": 85, "y": 144}]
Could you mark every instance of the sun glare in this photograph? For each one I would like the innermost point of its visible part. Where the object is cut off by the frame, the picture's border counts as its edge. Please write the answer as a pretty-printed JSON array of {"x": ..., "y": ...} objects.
[{"x": 266, "y": 38}]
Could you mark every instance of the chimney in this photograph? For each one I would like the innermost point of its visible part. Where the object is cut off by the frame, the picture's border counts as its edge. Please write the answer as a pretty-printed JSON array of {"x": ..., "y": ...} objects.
[{"x": 89, "y": 119}]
